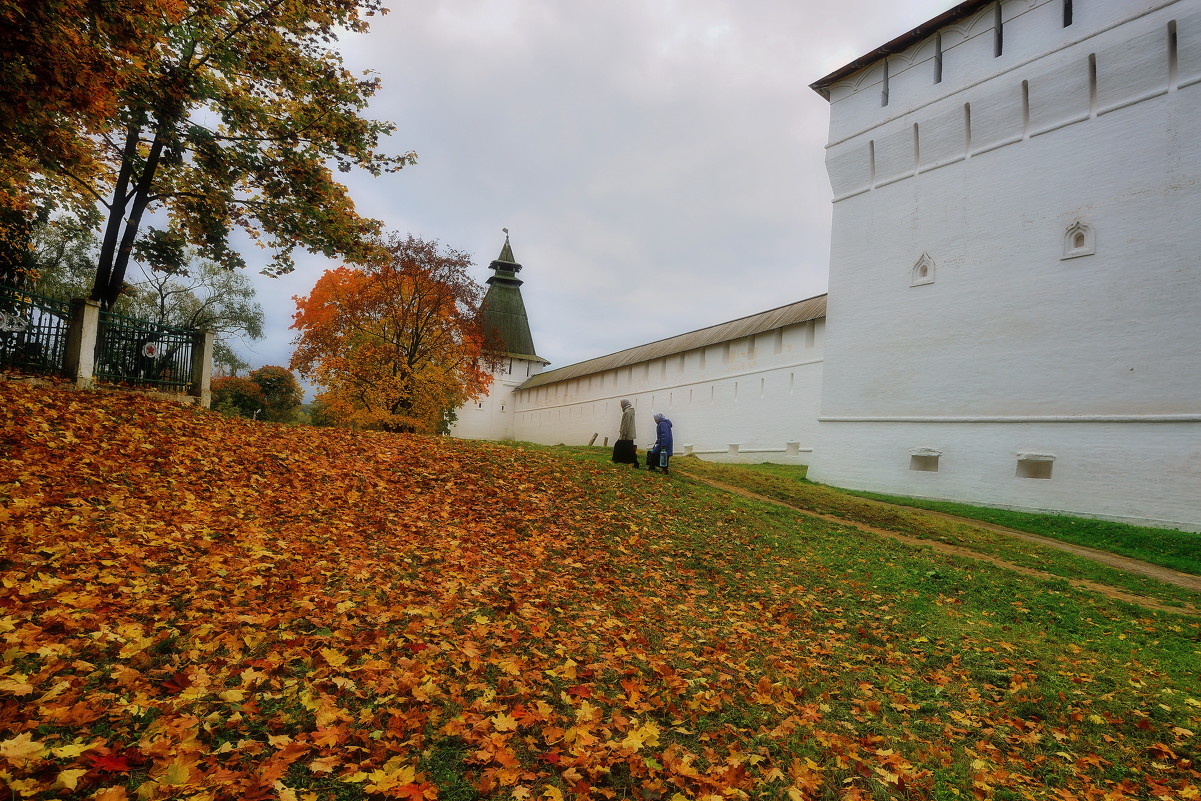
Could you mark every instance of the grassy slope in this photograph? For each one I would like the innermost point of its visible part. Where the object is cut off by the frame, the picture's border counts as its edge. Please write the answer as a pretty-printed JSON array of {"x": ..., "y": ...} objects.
[
  {"x": 783, "y": 484},
  {"x": 192, "y": 605},
  {"x": 1179, "y": 550}
]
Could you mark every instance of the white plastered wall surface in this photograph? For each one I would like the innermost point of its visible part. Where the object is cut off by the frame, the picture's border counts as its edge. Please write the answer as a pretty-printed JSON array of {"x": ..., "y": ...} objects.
[
  {"x": 1014, "y": 274},
  {"x": 751, "y": 399},
  {"x": 492, "y": 416}
]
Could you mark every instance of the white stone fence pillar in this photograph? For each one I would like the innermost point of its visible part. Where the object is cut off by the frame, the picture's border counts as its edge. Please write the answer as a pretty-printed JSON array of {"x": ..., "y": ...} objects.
[
  {"x": 79, "y": 360},
  {"x": 202, "y": 368}
]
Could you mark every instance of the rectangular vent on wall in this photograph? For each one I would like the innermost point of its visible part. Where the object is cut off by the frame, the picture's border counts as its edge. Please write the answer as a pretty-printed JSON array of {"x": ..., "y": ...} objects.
[
  {"x": 1034, "y": 465},
  {"x": 924, "y": 460}
]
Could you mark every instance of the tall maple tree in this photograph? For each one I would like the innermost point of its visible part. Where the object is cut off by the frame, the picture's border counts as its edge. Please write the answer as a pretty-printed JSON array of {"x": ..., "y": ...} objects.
[
  {"x": 229, "y": 115},
  {"x": 65, "y": 66},
  {"x": 398, "y": 343}
]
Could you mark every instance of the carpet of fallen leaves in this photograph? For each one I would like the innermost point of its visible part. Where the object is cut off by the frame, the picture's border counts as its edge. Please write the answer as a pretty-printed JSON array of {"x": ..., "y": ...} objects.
[{"x": 198, "y": 607}]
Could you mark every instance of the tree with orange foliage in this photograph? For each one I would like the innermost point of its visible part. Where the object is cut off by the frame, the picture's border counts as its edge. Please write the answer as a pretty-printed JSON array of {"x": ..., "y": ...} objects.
[{"x": 398, "y": 343}]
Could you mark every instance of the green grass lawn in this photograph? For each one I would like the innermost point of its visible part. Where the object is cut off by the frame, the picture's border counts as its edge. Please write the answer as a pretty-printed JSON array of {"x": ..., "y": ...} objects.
[
  {"x": 785, "y": 484},
  {"x": 1179, "y": 550}
]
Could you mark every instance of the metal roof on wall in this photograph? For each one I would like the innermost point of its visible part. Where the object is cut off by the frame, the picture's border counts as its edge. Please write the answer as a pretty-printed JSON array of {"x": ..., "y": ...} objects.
[
  {"x": 897, "y": 45},
  {"x": 812, "y": 309}
]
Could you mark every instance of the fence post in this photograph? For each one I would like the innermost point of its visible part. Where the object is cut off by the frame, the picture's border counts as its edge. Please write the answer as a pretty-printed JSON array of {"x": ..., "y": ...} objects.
[
  {"x": 79, "y": 360},
  {"x": 202, "y": 368}
]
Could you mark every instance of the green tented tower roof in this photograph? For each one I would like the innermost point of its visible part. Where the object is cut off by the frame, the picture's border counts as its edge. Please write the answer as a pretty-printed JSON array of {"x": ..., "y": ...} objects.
[{"x": 504, "y": 310}]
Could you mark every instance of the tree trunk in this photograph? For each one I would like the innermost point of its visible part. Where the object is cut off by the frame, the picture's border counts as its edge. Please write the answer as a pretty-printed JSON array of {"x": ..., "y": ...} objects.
[
  {"x": 116, "y": 257},
  {"x": 116, "y": 214}
]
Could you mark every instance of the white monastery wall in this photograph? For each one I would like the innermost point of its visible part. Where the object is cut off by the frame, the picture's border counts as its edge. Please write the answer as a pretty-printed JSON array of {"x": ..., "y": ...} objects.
[
  {"x": 752, "y": 399},
  {"x": 491, "y": 417},
  {"x": 1015, "y": 265}
]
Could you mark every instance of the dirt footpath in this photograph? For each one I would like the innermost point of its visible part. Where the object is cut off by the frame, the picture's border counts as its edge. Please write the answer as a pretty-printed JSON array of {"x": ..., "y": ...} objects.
[{"x": 1167, "y": 575}]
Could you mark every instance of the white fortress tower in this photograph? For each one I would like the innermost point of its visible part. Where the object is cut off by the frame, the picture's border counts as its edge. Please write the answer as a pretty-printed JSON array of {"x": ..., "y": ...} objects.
[
  {"x": 492, "y": 417},
  {"x": 1015, "y": 278}
]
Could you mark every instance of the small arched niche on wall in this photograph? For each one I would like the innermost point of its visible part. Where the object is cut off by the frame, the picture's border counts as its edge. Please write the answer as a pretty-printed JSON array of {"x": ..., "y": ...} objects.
[
  {"x": 1078, "y": 240},
  {"x": 923, "y": 271}
]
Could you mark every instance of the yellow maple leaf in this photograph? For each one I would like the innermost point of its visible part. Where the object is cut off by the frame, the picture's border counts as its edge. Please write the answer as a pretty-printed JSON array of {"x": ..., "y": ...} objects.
[
  {"x": 22, "y": 787},
  {"x": 503, "y": 722},
  {"x": 325, "y": 764},
  {"x": 587, "y": 712},
  {"x": 426, "y": 691},
  {"x": 55, "y": 691},
  {"x": 72, "y": 751},
  {"x": 888, "y": 776},
  {"x": 647, "y": 735},
  {"x": 69, "y": 779},
  {"x": 21, "y": 749},
  {"x": 334, "y": 658},
  {"x": 111, "y": 794},
  {"x": 251, "y": 677},
  {"x": 328, "y": 712},
  {"x": 135, "y": 646},
  {"x": 552, "y": 793},
  {"x": 176, "y": 773}
]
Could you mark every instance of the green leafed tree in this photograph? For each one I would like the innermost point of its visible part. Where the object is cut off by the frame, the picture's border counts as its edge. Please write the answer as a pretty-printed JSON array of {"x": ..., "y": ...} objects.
[
  {"x": 281, "y": 392},
  {"x": 61, "y": 259},
  {"x": 230, "y": 116},
  {"x": 233, "y": 395},
  {"x": 58, "y": 255},
  {"x": 204, "y": 296}
]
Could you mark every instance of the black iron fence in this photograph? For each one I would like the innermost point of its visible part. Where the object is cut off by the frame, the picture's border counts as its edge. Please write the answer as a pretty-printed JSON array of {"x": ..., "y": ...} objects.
[
  {"x": 33, "y": 331},
  {"x": 49, "y": 336},
  {"x": 143, "y": 354}
]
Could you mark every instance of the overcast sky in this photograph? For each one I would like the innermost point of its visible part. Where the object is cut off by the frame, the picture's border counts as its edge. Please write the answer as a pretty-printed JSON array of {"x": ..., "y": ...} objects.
[{"x": 658, "y": 163}]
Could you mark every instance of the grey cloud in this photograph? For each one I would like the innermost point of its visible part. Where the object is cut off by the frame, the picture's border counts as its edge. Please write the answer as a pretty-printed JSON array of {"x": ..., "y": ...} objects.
[{"x": 637, "y": 150}]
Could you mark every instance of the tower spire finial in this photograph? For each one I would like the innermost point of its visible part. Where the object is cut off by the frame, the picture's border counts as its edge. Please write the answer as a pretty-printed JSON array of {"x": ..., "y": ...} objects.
[{"x": 506, "y": 261}]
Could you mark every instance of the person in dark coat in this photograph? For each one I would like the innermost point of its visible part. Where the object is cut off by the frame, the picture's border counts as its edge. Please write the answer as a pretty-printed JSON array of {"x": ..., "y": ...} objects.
[
  {"x": 657, "y": 457},
  {"x": 624, "y": 451}
]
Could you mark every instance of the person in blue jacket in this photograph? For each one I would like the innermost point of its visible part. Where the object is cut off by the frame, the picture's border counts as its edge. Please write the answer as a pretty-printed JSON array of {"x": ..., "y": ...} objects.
[{"x": 657, "y": 458}]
